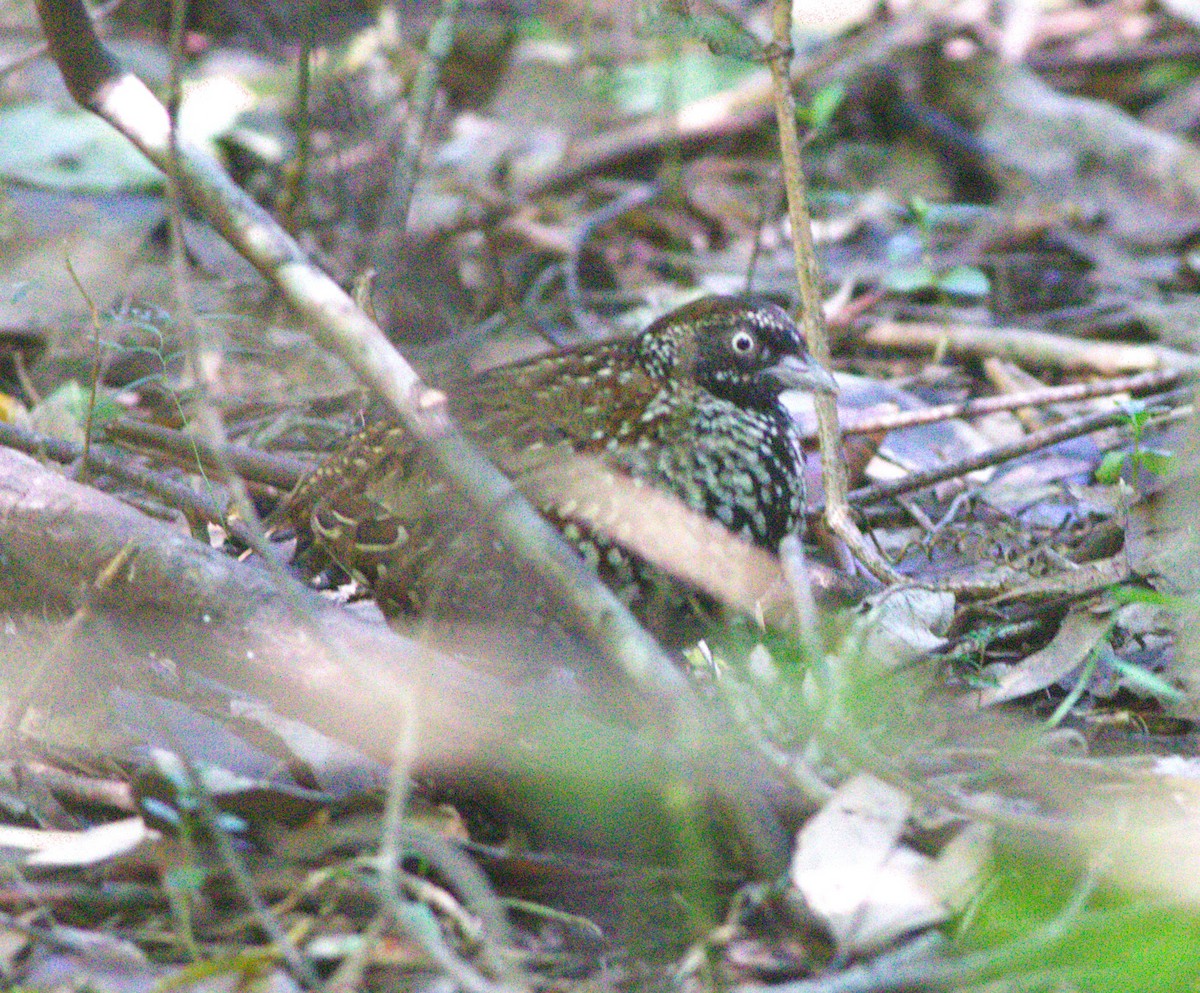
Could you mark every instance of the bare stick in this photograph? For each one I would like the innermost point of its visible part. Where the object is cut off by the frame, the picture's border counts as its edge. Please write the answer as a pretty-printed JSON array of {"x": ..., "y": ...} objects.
[
  {"x": 213, "y": 459},
  {"x": 1035, "y": 348},
  {"x": 96, "y": 80},
  {"x": 812, "y": 314},
  {"x": 421, "y": 94},
  {"x": 1144, "y": 383},
  {"x": 1002, "y": 453},
  {"x": 195, "y": 505}
]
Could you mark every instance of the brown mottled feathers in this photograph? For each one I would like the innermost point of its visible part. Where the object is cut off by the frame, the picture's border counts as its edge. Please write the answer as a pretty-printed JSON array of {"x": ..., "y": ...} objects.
[{"x": 690, "y": 407}]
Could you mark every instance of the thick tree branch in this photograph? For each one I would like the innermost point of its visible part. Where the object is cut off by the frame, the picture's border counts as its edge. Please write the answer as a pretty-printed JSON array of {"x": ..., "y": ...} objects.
[{"x": 358, "y": 682}]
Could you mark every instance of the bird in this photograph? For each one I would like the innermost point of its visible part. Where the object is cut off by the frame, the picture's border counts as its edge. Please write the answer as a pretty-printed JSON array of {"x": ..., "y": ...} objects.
[{"x": 691, "y": 407}]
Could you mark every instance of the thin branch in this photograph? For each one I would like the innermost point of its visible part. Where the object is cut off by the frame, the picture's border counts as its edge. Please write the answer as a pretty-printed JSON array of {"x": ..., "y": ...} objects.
[
  {"x": 213, "y": 459},
  {"x": 1134, "y": 385},
  {"x": 1031, "y": 348},
  {"x": 96, "y": 80},
  {"x": 420, "y": 108},
  {"x": 812, "y": 313},
  {"x": 1004, "y": 453},
  {"x": 195, "y": 506},
  {"x": 631, "y": 199}
]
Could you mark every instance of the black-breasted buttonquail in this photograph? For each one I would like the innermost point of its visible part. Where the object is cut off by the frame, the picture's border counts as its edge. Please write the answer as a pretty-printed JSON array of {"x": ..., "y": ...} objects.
[{"x": 691, "y": 406}]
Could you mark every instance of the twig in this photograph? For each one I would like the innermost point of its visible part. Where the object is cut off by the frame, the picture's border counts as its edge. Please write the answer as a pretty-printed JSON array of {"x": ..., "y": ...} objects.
[
  {"x": 200, "y": 348},
  {"x": 114, "y": 793},
  {"x": 420, "y": 106},
  {"x": 638, "y": 196},
  {"x": 401, "y": 839},
  {"x": 812, "y": 313},
  {"x": 94, "y": 317},
  {"x": 192, "y": 453},
  {"x": 1034, "y": 348},
  {"x": 295, "y": 211},
  {"x": 1005, "y": 453},
  {"x": 1144, "y": 383},
  {"x": 196, "y": 506},
  {"x": 405, "y": 839}
]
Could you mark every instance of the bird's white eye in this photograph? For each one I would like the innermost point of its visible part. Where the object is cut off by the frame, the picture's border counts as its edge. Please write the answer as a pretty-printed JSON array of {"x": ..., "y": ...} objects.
[{"x": 743, "y": 343}]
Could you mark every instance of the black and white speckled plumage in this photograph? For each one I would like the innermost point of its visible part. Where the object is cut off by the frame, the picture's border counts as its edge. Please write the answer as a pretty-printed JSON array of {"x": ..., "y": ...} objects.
[{"x": 690, "y": 406}]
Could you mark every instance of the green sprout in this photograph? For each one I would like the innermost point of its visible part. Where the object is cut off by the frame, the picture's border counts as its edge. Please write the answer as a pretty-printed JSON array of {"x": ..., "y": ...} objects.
[
  {"x": 958, "y": 280},
  {"x": 1140, "y": 458}
]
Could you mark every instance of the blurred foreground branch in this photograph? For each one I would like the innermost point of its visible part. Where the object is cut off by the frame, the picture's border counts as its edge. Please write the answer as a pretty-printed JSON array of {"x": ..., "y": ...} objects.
[
  {"x": 314, "y": 661},
  {"x": 96, "y": 81}
]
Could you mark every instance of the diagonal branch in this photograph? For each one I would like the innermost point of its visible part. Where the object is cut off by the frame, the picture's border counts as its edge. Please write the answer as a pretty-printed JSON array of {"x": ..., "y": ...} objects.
[
  {"x": 999, "y": 454},
  {"x": 96, "y": 81}
]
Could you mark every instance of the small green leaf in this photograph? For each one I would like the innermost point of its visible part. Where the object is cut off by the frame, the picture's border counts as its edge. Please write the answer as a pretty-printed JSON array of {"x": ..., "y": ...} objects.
[
  {"x": 1157, "y": 461},
  {"x": 1139, "y": 594},
  {"x": 919, "y": 208},
  {"x": 1143, "y": 679},
  {"x": 824, "y": 105},
  {"x": 1110, "y": 468},
  {"x": 76, "y": 400},
  {"x": 911, "y": 279},
  {"x": 1138, "y": 413},
  {"x": 1167, "y": 75},
  {"x": 965, "y": 281}
]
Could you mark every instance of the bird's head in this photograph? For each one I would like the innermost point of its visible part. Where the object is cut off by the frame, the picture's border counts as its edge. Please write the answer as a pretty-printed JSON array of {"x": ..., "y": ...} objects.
[{"x": 746, "y": 350}]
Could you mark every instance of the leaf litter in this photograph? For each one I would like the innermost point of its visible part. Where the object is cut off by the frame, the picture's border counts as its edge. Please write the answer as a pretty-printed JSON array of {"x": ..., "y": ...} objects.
[{"x": 993, "y": 760}]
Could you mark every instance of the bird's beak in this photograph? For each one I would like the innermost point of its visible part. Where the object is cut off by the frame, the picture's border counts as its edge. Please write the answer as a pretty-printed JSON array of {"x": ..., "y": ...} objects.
[{"x": 804, "y": 374}]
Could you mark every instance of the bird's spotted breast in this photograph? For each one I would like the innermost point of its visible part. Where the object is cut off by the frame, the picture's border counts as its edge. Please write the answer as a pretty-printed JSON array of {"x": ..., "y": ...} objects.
[{"x": 690, "y": 407}]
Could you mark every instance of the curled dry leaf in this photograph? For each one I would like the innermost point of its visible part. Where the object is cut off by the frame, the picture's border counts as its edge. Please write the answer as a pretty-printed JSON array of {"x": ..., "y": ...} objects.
[{"x": 854, "y": 874}]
